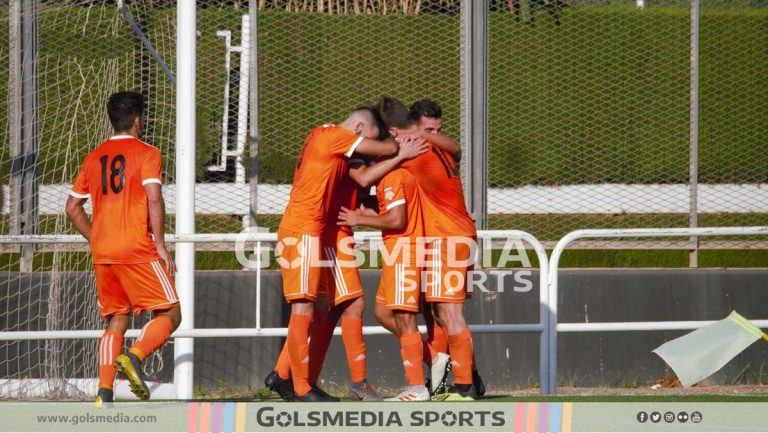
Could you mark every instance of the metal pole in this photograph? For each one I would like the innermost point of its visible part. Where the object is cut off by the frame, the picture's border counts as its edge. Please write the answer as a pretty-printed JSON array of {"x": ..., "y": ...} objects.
[
  {"x": 186, "y": 41},
  {"x": 479, "y": 116},
  {"x": 693, "y": 258},
  {"x": 24, "y": 132},
  {"x": 466, "y": 98},
  {"x": 253, "y": 131}
]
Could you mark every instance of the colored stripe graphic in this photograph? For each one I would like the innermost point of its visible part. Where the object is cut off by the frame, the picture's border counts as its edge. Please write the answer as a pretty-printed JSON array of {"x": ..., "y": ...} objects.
[
  {"x": 240, "y": 418},
  {"x": 567, "y": 417},
  {"x": 519, "y": 417},
  {"x": 205, "y": 417},
  {"x": 543, "y": 417},
  {"x": 192, "y": 418},
  {"x": 229, "y": 417},
  {"x": 555, "y": 416},
  {"x": 216, "y": 418},
  {"x": 530, "y": 418}
]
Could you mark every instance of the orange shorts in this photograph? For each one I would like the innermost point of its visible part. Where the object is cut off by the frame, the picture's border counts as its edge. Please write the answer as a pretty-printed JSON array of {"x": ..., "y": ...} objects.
[
  {"x": 340, "y": 281},
  {"x": 400, "y": 284},
  {"x": 138, "y": 287},
  {"x": 448, "y": 262},
  {"x": 298, "y": 255}
]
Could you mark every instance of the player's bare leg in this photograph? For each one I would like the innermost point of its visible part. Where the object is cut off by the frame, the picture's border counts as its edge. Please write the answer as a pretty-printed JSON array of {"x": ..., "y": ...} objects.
[
  {"x": 153, "y": 336},
  {"x": 110, "y": 346},
  {"x": 386, "y": 318},
  {"x": 411, "y": 352},
  {"x": 460, "y": 346}
]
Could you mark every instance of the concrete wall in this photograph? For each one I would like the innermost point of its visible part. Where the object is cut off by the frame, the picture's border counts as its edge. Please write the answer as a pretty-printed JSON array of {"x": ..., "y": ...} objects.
[{"x": 227, "y": 299}]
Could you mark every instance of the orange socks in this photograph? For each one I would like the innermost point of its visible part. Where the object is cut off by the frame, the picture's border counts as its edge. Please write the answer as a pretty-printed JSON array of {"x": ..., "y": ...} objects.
[
  {"x": 320, "y": 335},
  {"x": 298, "y": 351},
  {"x": 411, "y": 351},
  {"x": 436, "y": 342},
  {"x": 352, "y": 334},
  {"x": 461, "y": 356},
  {"x": 153, "y": 335},
  {"x": 283, "y": 366},
  {"x": 110, "y": 347}
]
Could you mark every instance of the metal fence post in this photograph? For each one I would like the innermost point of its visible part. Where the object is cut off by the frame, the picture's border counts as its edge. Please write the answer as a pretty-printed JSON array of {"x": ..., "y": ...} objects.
[
  {"x": 253, "y": 130},
  {"x": 23, "y": 117},
  {"x": 186, "y": 44},
  {"x": 693, "y": 260},
  {"x": 475, "y": 17}
]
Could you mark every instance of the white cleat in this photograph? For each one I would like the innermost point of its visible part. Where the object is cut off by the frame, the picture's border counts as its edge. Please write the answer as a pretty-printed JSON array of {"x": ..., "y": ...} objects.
[
  {"x": 441, "y": 365},
  {"x": 412, "y": 393}
]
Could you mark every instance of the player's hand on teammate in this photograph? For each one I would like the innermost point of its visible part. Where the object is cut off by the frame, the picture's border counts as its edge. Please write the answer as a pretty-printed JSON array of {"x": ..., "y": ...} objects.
[
  {"x": 166, "y": 257},
  {"x": 349, "y": 217},
  {"x": 364, "y": 211},
  {"x": 412, "y": 146}
]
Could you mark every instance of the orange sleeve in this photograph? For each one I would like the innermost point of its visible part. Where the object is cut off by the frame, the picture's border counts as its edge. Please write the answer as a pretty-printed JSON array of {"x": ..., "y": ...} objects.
[
  {"x": 81, "y": 187},
  {"x": 151, "y": 168},
  {"x": 391, "y": 191},
  {"x": 343, "y": 142}
]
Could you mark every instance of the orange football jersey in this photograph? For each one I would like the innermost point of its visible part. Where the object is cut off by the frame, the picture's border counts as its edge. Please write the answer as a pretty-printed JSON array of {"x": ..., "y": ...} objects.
[
  {"x": 320, "y": 168},
  {"x": 113, "y": 177},
  {"x": 437, "y": 175},
  {"x": 400, "y": 188}
]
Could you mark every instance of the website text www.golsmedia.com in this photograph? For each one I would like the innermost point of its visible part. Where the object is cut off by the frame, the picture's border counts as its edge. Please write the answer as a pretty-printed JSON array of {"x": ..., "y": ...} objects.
[{"x": 90, "y": 418}]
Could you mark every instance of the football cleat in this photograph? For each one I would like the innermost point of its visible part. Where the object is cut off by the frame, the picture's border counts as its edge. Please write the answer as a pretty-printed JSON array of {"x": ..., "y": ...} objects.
[
  {"x": 410, "y": 393},
  {"x": 441, "y": 365},
  {"x": 283, "y": 387},
  {"x": 130, "y": 366},
  {"x": 104, "y": 398},
  {"x": 364, "y": 393},
  {"x": 328, "y": 397},
  {"x": 457, "y": 392},
  {"x": 314, "y": 396},
  {"x": 478, "y": 383}
]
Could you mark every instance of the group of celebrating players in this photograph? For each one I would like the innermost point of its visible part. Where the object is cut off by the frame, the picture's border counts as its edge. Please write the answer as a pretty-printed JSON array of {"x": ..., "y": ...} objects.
[{"x": 427, "y": 234}]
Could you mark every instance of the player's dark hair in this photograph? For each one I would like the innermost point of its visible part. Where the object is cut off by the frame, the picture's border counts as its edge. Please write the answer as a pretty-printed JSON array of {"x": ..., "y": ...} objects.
[
  {"x": 394, "y": 113},
  {"x": 383, "y": 130},
  {"x": 426, "y": 108},
  {"x": 123, "y": 108}
]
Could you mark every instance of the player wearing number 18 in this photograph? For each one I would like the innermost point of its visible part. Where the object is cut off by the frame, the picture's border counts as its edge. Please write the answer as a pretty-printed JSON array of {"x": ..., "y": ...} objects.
[{"x": 134, "y": 270}]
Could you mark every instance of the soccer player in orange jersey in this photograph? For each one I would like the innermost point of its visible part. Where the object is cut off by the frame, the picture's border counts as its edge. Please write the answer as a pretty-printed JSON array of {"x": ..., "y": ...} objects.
[
  {"x": 320, "y": 168},
  {"x": 401, "y": 220},
  {"x": 134, "y": 271},
  {"x": 429, "y": 116},
  {"x": 452, "y": 250},
  {"x": 340, "y": 287}
]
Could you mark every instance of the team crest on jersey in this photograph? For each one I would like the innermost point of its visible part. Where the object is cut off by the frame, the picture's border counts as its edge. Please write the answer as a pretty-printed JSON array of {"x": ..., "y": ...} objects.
[{"x": 388, "y": 193}]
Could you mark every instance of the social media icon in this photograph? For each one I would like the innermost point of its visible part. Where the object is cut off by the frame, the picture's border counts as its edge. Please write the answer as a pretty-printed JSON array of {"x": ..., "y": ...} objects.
[
  {"x": 655, "y": 416},
  {"x": 696, "y": 417},
  {"x": 669, "y": 417},
  {"x": 642, "y": 417},
  {"x": 682, "y": 417}
]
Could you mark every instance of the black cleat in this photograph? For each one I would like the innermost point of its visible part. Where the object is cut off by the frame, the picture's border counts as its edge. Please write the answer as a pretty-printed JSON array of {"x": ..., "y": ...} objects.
[
  {"x": 325, "y": 395},
  {"x": 457, "y": 392},
  {"x": 478, "y": 383},
  {"x": 283, "y": 387},
  {"x": 315, "y": 397},
  {"x": 104, "y": 398}
]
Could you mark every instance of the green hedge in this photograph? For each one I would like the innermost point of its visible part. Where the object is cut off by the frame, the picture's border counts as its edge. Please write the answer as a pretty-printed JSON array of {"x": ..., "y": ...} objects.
[{"x": 601, "y": 98}]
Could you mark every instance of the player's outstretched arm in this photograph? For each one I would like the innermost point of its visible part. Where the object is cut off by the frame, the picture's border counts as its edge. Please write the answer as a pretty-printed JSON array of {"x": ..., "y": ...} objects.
[
  {"x": 156, "y": 206},
  {"x": 444, "y": 143},
  {"x": 366, "y": 176},
  {"x": 76, "y": 214},
  {"x": 393, "y": 219},
  {"x": 372, "y": 147}
]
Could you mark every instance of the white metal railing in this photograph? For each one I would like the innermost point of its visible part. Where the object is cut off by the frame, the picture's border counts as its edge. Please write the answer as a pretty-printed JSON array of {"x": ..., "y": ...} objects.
[
  {"x": 555, "y": 327},
  {"x": 258, "y": 238}
]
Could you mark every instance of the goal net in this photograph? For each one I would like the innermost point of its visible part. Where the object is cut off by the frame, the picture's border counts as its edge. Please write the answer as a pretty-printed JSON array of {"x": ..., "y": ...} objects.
[{"x": 80, "y": 51}]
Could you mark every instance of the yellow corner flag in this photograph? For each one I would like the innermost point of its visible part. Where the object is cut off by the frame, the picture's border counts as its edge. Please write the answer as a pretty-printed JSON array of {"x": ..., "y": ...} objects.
[{"x": 699, "y": 354}]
